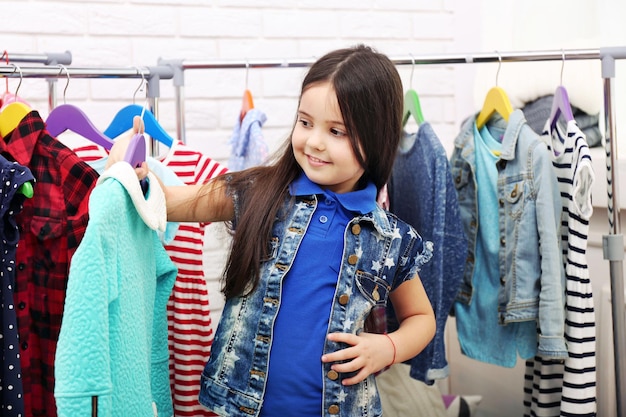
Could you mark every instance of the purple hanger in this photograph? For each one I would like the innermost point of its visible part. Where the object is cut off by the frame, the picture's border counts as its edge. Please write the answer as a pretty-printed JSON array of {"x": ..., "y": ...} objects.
[
  {"x": 560, "y": 106},
  {"x": 136, "y": 151},
  {"x": 69, "y": 117}
]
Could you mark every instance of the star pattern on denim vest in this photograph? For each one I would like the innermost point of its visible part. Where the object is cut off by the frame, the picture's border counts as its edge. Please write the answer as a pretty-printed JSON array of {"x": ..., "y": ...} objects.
[{"x": 341, "y": 396}]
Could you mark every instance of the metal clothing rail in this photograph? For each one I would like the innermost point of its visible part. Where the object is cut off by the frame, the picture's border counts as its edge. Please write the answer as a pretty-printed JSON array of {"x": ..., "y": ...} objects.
[
  {"x": 152, "y": 75},
  {"x": 613, "y": 243},
  {"x": 47, "y": 58}
]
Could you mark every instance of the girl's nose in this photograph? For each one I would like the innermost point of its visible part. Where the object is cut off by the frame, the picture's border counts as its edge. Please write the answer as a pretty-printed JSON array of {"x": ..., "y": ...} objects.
[{"x": 316, "y": 140}]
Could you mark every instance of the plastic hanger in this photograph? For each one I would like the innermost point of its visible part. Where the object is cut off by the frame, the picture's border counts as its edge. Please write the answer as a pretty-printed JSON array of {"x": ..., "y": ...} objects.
[
  {"x": 13, "y": 113},
  {"x": 69, "y": 117},
  {"x": 412, "y": 106},
  {"x": 26, "y": 189},
  {"x": 123, "y": 120},
  {"x": 560, "y": 103},
  {"x": 247, "y": 103},
  {"x": 496, "y": 101}
]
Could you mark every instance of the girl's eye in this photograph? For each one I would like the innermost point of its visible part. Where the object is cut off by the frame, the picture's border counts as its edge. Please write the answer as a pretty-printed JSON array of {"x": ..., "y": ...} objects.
[
  {"x": 304, "y": 123},
  {"x": 337, "y": 132}
]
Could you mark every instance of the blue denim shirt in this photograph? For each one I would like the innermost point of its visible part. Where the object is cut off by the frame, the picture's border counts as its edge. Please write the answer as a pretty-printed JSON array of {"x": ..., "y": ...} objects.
[
  {"x": 422, "y": 193},
  {"x": 531, "y": 271},
  {"x": 380, "y": 252}
]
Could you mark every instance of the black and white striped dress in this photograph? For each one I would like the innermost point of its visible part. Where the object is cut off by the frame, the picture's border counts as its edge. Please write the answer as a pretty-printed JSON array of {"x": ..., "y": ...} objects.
[{"x": 569, "y": 388}]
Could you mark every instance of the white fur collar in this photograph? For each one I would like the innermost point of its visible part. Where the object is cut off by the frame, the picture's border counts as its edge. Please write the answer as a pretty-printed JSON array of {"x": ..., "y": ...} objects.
[{"x": 152, "y": 207}]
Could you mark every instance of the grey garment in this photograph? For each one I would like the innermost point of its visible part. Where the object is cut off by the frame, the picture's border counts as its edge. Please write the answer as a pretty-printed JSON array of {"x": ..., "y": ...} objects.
[{"x": 538, "y": 111}]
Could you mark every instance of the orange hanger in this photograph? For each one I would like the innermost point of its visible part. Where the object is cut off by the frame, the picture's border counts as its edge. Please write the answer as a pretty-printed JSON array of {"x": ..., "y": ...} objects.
[{"x": 247, "y": 103}]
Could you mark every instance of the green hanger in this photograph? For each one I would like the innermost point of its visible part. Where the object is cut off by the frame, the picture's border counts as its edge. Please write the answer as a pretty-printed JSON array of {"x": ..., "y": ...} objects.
[
  {"x": 26, "y": 189},
  {"x": 412, "y": 105}
]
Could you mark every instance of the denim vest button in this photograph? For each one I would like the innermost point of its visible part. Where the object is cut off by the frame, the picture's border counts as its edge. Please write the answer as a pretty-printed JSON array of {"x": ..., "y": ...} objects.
[
  {"x": 343, "y": 299},
  {"x": 502, "y": 241},
  {"x": 502, "y": 281},
  {"x": 323, "y": 219},
  {"x": 352, "y": 259},
  {"x": 356, "y": 229},
  {"x": 332, "y": 375},
  {"x": 333, "y": 409}
]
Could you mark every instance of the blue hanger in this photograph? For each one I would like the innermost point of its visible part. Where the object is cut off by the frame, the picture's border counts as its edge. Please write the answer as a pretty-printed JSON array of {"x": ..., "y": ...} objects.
[
  {"x": 123, "y": 121},
  {"x": 69, "y": 117}
]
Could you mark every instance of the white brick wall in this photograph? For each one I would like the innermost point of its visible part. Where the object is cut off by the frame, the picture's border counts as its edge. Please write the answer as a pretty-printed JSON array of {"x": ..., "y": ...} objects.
[{"x": 139, "y": 32}]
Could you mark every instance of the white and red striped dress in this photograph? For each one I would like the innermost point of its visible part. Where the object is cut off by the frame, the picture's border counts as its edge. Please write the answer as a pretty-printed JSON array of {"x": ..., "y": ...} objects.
[{"x": 188, "y": 315}]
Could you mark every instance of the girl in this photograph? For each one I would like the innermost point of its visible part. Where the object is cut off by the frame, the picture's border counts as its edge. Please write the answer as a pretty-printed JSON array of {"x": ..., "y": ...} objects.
[{"x": 312, "y": 254}]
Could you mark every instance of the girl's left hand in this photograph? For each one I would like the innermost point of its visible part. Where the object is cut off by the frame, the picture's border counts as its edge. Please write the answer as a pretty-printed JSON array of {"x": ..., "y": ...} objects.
[{"x": 368, "y": 353}]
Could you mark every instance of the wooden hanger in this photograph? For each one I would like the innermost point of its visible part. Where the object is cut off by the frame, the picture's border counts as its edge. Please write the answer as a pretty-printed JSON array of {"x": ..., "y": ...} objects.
[{"x": 496, "y": 101}]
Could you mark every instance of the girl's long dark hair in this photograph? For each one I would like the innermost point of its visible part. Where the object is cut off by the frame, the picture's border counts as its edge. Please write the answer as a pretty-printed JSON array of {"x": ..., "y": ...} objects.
[{"x": 369, "y": 93}]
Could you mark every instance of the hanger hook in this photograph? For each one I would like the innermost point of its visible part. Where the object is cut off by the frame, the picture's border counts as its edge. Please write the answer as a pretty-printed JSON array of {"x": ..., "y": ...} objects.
[
  {"x": 499, "y": 65},
  {"x": 5, "y": 56},
  {"x": 562, "y": 64},
  {"x": 247, "y": 72},
  {"x": 412, "y": 70},
  {"x": 17, "y": 68},
  {"x": 141, "y": 84},
  {"x": 67, "y": 83}
]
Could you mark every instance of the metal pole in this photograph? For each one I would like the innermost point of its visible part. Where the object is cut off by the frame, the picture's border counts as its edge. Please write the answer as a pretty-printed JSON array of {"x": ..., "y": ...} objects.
[{"x": 613, "y": 244}]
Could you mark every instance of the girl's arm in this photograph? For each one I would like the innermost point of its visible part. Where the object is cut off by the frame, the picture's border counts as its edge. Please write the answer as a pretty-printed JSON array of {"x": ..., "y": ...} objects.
[
  {"x": 369, "y": 353},
  {"x": 199, "y": 203},
  {"x": 189, "y": 203}
]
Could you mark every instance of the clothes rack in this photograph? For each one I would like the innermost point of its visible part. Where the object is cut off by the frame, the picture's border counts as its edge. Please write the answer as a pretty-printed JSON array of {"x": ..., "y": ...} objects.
[
  {"x": 46, "y": 58},
  {"x": 152, "y": 74},
  {"x": 613, "y": 243}
]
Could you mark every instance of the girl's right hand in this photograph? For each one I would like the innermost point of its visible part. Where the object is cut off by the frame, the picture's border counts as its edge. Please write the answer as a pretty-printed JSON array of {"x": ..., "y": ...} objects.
[{"x": 118, "y": 150}]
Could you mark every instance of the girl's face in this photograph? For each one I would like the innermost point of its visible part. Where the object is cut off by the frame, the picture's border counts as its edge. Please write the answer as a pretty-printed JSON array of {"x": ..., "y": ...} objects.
[{"x": 320, "y": 143}]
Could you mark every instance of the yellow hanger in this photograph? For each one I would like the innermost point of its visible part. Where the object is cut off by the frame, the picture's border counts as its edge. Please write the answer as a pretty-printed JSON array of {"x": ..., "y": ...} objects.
[
  {"x": 13, "y": 113},
  {"x": 496, "y": 101}
]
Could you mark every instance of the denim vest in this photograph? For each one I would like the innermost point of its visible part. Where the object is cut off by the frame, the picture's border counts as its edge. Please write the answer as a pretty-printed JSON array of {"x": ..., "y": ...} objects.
[
  {"x": 532, "y": 276},
  {"x": 380, "y": 252}
]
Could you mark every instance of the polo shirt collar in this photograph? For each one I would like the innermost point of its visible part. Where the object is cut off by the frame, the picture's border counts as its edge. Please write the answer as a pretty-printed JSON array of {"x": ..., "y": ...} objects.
[{"x": 360, "y": 201}]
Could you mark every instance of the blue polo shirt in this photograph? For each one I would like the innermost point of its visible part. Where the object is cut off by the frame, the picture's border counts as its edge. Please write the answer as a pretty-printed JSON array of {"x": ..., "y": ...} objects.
[{"x": 294, "y": 383}]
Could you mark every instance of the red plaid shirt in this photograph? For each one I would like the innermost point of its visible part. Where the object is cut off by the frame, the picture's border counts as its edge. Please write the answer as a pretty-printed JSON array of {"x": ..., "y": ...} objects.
[{"x": 51, "y": 226}]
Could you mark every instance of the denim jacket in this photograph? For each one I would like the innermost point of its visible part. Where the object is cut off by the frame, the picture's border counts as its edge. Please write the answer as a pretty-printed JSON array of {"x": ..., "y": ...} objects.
[
  {"x": 532, "y": 277},
  {"x": 422, "y": 193},
  {"x": 380, "y": 252}
]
